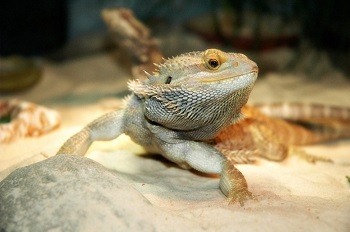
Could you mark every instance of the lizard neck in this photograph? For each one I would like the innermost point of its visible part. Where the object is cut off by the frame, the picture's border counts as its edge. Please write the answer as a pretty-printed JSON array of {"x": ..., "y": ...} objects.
[
  {"x": 201, "y": 114},
  {"x": 216, "y": 116}
]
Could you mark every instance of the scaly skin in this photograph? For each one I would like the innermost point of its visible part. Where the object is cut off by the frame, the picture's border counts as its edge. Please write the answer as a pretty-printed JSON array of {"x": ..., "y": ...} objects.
[{"x": 189, "y": 112}]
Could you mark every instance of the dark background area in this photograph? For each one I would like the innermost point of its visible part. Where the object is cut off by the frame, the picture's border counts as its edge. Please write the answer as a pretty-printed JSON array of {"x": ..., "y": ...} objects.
[
  {"x": 32, "y": 27},
  {"x": 40, "y": 27}
]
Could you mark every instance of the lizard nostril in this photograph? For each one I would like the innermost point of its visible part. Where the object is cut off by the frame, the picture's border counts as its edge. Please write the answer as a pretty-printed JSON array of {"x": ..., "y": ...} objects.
[{"x": 235, "y": 64}]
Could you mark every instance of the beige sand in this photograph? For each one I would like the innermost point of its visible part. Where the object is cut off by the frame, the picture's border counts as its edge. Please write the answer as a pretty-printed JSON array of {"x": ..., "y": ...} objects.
[{"x": 290, "y": 196}]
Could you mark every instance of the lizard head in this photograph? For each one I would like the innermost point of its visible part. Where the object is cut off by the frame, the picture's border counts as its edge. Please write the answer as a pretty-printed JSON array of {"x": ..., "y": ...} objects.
[
  {"x": 203, "y": 68},
  {"x": 201, "y": 84}
]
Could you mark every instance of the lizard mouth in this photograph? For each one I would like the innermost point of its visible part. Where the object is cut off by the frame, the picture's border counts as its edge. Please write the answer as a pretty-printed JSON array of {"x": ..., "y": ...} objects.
[{"x": 218, "y": 79}]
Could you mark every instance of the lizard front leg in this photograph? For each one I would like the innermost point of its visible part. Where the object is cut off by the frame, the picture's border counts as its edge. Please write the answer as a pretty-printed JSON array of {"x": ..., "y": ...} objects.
[
  {"x": 207, "y": 159},
  {"x": 106, "y": 127},
  {"x": 234, "y": 185}
]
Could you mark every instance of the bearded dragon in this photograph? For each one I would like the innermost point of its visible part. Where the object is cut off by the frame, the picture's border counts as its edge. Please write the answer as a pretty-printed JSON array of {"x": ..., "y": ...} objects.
[{"x": 190, "y": 111}]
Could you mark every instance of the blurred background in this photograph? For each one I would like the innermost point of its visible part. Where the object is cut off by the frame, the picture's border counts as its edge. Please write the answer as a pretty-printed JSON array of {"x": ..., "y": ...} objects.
[{"x": 306, "y": 36}]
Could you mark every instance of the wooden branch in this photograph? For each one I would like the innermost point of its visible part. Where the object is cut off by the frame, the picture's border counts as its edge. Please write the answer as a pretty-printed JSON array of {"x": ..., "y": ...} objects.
[{"x": 135, "y": 37}]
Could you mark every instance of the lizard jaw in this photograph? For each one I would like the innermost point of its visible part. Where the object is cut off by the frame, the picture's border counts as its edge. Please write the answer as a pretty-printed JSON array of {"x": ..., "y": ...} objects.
[{"x": 235, "y": 77}]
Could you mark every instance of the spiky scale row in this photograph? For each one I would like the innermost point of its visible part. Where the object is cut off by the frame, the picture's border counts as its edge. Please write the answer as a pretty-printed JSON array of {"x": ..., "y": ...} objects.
[{"x": 179, "y": 62}]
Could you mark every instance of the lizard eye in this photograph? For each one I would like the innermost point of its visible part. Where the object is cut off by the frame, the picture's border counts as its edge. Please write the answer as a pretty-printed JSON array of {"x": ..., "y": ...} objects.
[
  {"x": 213, "y": 59},
  {"x": 213, "y": 63},
  {"x": 168, "y": 80}
]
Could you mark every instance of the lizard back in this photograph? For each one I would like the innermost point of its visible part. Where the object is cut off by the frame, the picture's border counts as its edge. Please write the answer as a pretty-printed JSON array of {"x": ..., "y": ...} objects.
[{"x": 307, "y": 124}]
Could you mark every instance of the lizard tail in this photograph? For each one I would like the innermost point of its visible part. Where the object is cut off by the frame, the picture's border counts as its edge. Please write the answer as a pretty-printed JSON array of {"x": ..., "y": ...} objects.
[
  {"x": 304, "y": 111},
  {"x": 323, "y": 123}
]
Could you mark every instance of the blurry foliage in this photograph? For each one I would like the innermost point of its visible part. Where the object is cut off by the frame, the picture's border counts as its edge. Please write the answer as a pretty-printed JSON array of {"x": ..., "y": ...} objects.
[
  {"x": 324, "y": 23},
  {"x": 37, "y": 28}
]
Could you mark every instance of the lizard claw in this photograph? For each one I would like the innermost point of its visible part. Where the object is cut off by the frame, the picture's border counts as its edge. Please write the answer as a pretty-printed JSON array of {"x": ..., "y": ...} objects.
[{"x": 239, "y": 197}]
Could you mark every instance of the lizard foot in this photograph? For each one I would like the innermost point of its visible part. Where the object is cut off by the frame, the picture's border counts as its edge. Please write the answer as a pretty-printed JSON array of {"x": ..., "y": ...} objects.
[
  {"x": 234, "y": 185},
  {"x": 307, "y": 156}
]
